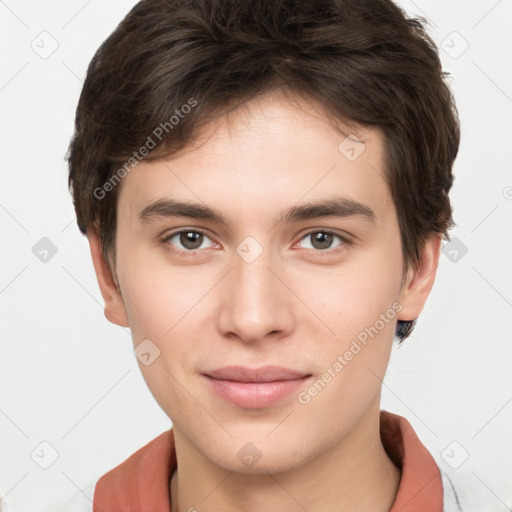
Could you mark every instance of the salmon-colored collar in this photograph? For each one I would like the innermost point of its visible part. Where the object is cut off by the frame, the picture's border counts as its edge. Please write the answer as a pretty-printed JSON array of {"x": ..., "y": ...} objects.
[
  {"x": 141, "y": 482},
  {"x": 421, "y": 487}
]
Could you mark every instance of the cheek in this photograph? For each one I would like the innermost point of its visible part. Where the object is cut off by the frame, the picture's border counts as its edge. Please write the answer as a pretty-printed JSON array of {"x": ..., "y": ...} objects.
[
  {"x": 354, "y": 363},
  {"x": 169, "y": 307},
  {"x": 355, "y": 296},
  {"x": 361, "y": 306},
  {"x": 157, "y": 297},
  {"x": 161, "y": 310}
]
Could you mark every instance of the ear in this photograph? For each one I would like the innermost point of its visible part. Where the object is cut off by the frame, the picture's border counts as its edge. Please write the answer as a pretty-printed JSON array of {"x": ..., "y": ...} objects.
[
  {"x": 115, "y": 311},
  {"x": 419, "y": 281}
]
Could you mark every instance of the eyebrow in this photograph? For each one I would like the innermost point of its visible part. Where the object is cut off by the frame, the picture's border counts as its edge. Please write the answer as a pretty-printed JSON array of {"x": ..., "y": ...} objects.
[{"x": 334, "y": 207}]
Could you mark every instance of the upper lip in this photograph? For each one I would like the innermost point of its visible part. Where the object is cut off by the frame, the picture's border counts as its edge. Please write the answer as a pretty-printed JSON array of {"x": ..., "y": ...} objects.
[{"x": 262, "y": 374}]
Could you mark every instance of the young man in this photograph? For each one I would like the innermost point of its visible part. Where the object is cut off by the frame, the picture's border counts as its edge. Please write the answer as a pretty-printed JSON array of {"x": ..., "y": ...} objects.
[{"x": 264, "y": 187}]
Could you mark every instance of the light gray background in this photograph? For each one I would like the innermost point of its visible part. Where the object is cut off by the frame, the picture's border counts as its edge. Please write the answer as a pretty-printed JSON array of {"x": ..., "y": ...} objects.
[{"x": 69, "y": 378}]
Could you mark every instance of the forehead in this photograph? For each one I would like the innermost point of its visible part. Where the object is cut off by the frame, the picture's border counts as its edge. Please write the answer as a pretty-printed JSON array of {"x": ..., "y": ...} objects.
[{"x": 271, "y": 151}]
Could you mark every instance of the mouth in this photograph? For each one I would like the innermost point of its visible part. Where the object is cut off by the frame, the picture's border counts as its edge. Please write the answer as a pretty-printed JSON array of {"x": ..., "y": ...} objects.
[{"x": 255, "y": 388}]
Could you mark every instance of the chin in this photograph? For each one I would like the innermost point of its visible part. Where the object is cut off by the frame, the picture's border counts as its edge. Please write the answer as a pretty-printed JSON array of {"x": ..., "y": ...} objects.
[{"x": 252, "y": 455}]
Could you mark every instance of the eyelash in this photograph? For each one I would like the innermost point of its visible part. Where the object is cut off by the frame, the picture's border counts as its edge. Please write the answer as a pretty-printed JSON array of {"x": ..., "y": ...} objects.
[{"x": 345, "y": 241}]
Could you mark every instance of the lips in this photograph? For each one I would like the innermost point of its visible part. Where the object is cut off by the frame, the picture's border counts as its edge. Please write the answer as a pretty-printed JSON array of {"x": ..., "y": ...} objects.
[
  {"x": 255, "y": 388},
  {"x": 263, "y": 374}
]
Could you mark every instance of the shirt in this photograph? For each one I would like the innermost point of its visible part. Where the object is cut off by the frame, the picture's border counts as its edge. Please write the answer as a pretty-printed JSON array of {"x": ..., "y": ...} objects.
[{"x": 141, "y": 483}]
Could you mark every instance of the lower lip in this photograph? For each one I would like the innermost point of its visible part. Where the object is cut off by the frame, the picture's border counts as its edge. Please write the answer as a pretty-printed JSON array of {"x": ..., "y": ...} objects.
[{"x": 255, "y": 395}]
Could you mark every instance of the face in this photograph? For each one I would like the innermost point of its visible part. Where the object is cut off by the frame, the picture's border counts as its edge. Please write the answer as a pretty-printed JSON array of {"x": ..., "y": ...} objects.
[{"x": 287, "y": 254}]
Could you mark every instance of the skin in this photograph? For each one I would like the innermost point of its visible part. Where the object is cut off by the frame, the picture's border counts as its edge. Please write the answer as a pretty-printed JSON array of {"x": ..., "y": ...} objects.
[{"x": 293, "y": 306}]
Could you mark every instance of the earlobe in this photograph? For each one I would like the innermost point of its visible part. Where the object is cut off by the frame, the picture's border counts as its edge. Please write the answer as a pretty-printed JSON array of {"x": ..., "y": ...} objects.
[
  {"x": 420, "y": 280},
  {"x": 115, "y": 311}
]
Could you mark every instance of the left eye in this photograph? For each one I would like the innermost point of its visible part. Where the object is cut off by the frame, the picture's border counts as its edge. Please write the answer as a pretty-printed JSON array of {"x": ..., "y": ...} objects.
[
  {"x": 190, "y": 240},
  {"x": 321, "y": 240}
]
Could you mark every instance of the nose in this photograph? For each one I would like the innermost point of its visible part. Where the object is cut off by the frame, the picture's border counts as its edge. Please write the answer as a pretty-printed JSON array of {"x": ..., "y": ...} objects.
[{"x": 255, "y": 302}]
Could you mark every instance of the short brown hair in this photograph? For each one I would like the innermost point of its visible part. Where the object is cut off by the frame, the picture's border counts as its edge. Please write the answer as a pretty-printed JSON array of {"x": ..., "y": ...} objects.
[{"x": 365, "y": 61}]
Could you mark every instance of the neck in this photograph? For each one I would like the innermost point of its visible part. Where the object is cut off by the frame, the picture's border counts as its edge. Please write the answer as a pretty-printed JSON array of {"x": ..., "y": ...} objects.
[{"x": 337, "y": 480}]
